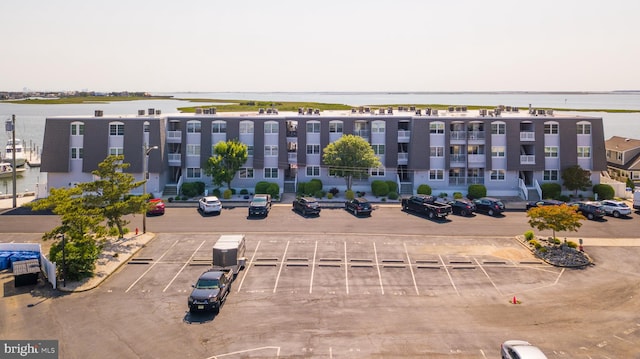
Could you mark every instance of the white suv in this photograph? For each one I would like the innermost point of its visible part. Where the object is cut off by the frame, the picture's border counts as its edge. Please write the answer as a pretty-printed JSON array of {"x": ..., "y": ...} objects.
[
  {"x": 615, "y": 208},
  {"x": 519, "y": 349},
  {"x": 210, "y": 204}
]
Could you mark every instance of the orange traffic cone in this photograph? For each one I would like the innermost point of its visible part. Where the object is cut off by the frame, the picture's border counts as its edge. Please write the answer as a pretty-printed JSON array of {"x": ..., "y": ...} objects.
[{"x": 515, "y": 301}]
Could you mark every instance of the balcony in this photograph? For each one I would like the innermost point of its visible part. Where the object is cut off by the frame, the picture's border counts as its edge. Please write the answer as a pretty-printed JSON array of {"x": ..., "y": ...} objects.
[
  {"x": 527, "y": 159},
  {"x": 292, "y": 157},
  {"x": 458, "y": 135},
  {"x": 475, "y": 180},
  {"x": 403, "y": 158},
  {"x": 174, "y": 136},
  {"x": 457, "y": 181},
  {"x": 175, "y": 159},
  {"x": 458, "y": 158},
  {"x": 475, "y": 135},
  {"x": 476, "y": 159},
  {"x": 527, "y": 136},
  {"x": 404, "y": 136}
]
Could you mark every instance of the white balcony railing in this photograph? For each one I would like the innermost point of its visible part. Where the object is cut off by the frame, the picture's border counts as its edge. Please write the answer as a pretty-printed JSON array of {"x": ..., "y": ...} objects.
[
  {"x": 292, "y": 157},
  {"x": 403, "y": 158},
  {"x": 404, "y": 136},
  {"x": 174, "y": 159},
  {"x": 527, "y": 136},
  {"x": 174, "y": 136},
  {"x": 527, "y": 159}
]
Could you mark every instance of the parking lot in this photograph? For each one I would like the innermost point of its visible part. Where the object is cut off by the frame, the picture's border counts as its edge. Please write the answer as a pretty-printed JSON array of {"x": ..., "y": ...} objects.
[{"x": 338, "y": 286}]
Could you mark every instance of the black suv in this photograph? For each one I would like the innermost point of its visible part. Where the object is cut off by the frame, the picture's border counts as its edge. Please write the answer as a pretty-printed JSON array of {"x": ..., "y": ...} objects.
[
  {"x": 591, "y": 210},
  {"x": 260, "y": 205},
  {"x": 306, "y": 206},
  {"x": 358, "y": 206},
  {"x": 489, "y": 205},
  {"x": 462, "y": 206},
  {"x": 210, "y": 291}
]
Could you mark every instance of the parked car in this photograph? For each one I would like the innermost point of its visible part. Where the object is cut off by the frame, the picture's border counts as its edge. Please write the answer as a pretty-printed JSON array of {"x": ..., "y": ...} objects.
[
  {"x": 544, "y": 202},
  {"x": 260, "y": 205},
  {"x": 520, "y": 349},
  {"x": 306, "y": 206},
  {"x": 210, "y": 204},
  {"x": 155, "y": 206},
  {"x": 591, "y": 210},
  {"x": 210, "y": 291},
  {"x": 426, "y": 205},
  {"x": 615, "y": 208},
  {"x": 489, "y": 205},
  {"x": 359, "y": 206},
  {"x": 462, "y": 206}
]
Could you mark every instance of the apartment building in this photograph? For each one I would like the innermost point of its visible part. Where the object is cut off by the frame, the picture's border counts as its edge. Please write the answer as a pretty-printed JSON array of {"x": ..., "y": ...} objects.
[
  {"x": 509, "y": 150},
  {"x": 623, "y": 159}
]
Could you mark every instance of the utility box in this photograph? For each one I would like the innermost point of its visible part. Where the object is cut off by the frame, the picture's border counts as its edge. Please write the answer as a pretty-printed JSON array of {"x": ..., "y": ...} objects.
[
  {"x": 228, "y": 253},
  {"x": 26, "y": 272}
]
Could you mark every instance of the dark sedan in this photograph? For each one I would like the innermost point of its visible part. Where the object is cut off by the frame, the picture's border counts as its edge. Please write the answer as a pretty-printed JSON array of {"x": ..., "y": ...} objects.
[
  {"x": 462, "y": 206},
  {"x": 489, "y": 205},
  {"x": 544, "y": 202}
]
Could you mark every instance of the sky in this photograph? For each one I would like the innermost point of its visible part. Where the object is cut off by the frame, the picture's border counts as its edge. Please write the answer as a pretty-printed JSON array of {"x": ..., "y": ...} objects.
[{"x": 328, "y": 45}]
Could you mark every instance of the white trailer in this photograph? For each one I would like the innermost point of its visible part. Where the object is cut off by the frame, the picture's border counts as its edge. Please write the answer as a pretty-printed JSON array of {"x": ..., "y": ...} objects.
[
  {"x": 228, "y": 253},
  {"x": 636, "y": 200}
]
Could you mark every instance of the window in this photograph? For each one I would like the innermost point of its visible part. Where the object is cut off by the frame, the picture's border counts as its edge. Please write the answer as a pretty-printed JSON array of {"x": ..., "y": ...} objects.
[
  {"x": 193, "y": 150},
  {"x": 377, "y": 172},
  {"x": 246, "y": 127},
  {"x": 116, "y": 151},
  {"x": 76, "y": 153},
  {"x": 313, "y": 149},
  {"x": 551, "y": 128},
  {"x": 475, "y": 150},
  {"x": 436, "y": 175},
  {"x": 584, "y": 128},
  {"x": 193, "y": 172},
  {"x": 378, "y": 149},
  {"x": 335, "y": 127},
  {"x": 218, "y": 127},
  {"x": 116, "y": 129},
  {"x": 270, "y": 172},
  {"x": 497, "y": 175},
  {"x": 313, "y": 171},
  {"x": 378, "y": 127},
  {"x": 270, "y": 150},
  {"x": 498, "y": 128},
  {"x": 551, "y": 151},
  {"x": 550, "y": 175},
  {"x": 436, "y": 127},
  {"x": 497, "y": 151},
  {"x": 193, "y": 127},
  {"x": 270, "y": 127},
  {"x": 584, "y": 152},
  {"x": 145, "y": 127},
  {"x": 77, "y": 129},
  {"x": 245, "y": 172},
  {"x": 249, "y": 150},
  {"x": 436, "y": 151},
  {"x": 313, "y": 127}
]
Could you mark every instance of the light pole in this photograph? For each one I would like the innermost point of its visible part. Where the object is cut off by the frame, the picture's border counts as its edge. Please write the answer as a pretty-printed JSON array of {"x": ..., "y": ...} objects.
[{"x": 145, "y": 170}]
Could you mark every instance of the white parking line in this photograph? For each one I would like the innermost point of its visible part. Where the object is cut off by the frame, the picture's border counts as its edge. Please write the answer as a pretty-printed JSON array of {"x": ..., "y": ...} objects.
[
  {"x": 313, "y": 267},
  {"x": 183, "y": 267},
  {"x": 406, "y": 251},
  {"x": 151, "y": 267},
  {"x": 375, "y": 255},
  {"x": 284, "y": 256},
  {"x": 449, "y": 275},
  {"x": 248, "y": 266},
  {"x": 487, "y": 274},
  {"x": 346, "y": 269}
]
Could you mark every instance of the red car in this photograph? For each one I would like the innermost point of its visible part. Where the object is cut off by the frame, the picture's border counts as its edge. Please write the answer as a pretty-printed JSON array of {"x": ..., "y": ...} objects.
[{"x": 156, "y": 206}]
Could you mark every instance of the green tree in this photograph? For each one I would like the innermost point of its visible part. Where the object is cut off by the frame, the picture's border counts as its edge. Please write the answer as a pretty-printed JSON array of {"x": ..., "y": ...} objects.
[
  {"x": 350, "y": 156},
  {"x": 556, "y": 218},
  {"x": 81, "y": 227},
  {"x": 575, "y": 178},
  {"x": 228, "y": 157},
  {"x": 110, "y": 192}
]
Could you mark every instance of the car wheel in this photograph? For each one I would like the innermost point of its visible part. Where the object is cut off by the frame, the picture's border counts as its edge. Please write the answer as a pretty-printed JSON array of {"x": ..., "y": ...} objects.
[
  {"x": 463, "y": 213},
  {"x": 431, "y": 215},
  {"x": 616, "y": 214},
  {"x": 355, "y": 211},
  {"x": 590, "y": 216},
  {"x": 491, "y": 213},
  {"x": 216, "y": 309}
]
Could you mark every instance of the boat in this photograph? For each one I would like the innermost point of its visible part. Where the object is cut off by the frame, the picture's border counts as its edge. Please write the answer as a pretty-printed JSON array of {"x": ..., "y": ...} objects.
[
  {"x": 21, "y": 157},
  {"x": 6, "y": 170}
]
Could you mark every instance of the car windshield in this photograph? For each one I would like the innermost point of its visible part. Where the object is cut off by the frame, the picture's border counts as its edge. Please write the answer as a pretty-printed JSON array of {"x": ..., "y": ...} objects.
[
  {"x": 208, "y": 284},
  {"x": 212, "y": 202},
  {"x": 259, "y": 200}
]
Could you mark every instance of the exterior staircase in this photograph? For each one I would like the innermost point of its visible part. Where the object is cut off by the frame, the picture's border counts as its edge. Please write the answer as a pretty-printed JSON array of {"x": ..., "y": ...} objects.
[
  {"x": 533, "y": 195},
  {"x": 406, "y": 189},
  {"x": 170, "y": 190}
]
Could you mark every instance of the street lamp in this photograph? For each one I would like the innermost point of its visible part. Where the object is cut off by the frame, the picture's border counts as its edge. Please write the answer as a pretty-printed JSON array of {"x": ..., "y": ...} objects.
[{"x": 145, "y": 170}]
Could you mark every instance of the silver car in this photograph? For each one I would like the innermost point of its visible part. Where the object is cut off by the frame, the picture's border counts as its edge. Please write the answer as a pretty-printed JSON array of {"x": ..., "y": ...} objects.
[
  {"x": 615, "y": 208},
  {"x": 210, "y": 204},
  {"x": 520, "y": 349}
]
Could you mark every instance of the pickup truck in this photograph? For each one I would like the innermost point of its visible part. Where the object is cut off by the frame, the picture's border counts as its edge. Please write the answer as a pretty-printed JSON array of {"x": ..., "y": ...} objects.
[{"x": 426, "y": 205}]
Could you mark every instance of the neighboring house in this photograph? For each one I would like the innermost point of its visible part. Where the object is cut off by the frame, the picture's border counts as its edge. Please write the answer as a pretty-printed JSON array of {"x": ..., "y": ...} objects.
[
  {"x": 510, "y": 151},
  {"x": 623, "y": 159}
]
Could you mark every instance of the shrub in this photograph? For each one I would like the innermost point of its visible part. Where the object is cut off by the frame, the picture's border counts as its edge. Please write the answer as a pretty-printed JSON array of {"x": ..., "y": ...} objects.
[
  {"x": 542, "y": 249},
  {"x": 170, "y": 199},
  {"x": 443, "y": 195},
  {"x": 529, "y": 235},
  {"x": 379, "y": 188},
  {"x": 329, "y": 195},
  {"x": 334, "y": 191},
  {"x": 551, "y": 190},
  {"x": 604, "y": 191},
  {"x": 319, "y": 194},
  {"x": 392, "y": 195},
  {"x": 192, "y": 189},
  {"x": 244, "y": 191},
  {"x": 261, "y": 187},
  {"x": 314, "y": 186},
  {"x": 216, "y": 192},
  {"x": 564, "y": 198},
  {"x": 535, "y": 243},
  {"x": 273, "y": 189},
  {"x": 457, "y": 195},
  {"x": 424, "y": 189},
  {"x": 477, "y": 191},
  {"x": 393, "y": 186},
  {"x": 349, "y": 194},
  {"x": 227, "y": 194},
  {"x": 572, "y": 244}
]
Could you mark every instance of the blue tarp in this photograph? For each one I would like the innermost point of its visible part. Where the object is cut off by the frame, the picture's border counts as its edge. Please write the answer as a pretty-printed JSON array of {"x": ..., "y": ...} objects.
[{"x": 8, "y": 257}]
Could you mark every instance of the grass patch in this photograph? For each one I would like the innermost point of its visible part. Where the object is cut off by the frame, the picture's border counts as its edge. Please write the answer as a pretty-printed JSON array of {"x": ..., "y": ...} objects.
[{"x": 86, "y": 99}]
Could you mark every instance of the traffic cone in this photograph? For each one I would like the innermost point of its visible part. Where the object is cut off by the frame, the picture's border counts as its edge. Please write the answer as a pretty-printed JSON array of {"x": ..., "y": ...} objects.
[{"x": 515, "y": 301}]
